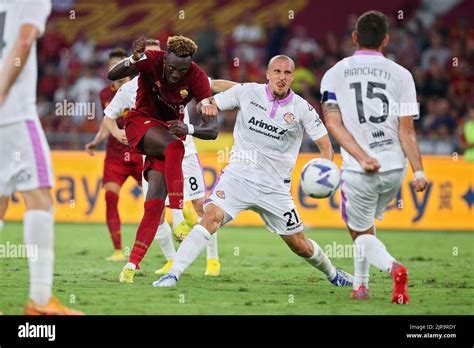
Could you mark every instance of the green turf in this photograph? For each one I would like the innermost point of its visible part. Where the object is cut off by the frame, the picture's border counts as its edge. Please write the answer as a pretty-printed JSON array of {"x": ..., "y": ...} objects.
[{"x": 260, "y": 275}]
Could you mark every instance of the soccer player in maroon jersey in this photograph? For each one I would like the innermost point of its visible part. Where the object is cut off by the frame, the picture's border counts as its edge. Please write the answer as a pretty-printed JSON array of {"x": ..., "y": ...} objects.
[
  {"x": 167, "y": 82},
  {"x": 121, "y": 161}
]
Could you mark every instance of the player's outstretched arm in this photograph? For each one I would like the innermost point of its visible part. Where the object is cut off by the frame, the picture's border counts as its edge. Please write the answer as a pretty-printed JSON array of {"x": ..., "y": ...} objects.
[
  {"x": 218, "y": 86},
  {"x": 99, "y": 137},
  {"x": 126, "y": 67},
  {"x": 110, "y": 124},
  {"x": 407, "y": 136},
  {"x": 332, "y": 115},
  {"x": 325, "y": 147},
  {"x": 207, "y": 130},
  {"x": 19, "y": 53}
]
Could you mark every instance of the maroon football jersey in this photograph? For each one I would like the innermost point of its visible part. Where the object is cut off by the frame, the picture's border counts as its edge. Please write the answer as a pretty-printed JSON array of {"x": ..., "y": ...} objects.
[
  {"x": 114, "y": 147},
  {"x": 157, "y": 99}
]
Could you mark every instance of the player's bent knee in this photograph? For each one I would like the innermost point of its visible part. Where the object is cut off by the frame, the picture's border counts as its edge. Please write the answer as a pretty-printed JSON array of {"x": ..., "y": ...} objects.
[
  {"x": 39, "y": 199},
  {"x": 355, "y": 234},
  {"x": 212, "y": 218},
  {"x": 198, "y": 206},
  {"x": 112, "y": 187}
]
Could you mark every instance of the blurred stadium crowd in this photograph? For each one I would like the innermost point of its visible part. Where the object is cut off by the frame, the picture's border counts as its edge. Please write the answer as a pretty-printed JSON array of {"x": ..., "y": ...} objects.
[{"x": 440, "y": 58}]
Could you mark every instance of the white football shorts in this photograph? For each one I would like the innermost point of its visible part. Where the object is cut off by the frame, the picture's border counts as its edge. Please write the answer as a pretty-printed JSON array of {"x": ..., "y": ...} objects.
[
  {"x": 365, "y": 197},
  {"x": 25, "y": 158},
  {"x": 194, "y": 185},
  {"x": 233, "y": 195}
]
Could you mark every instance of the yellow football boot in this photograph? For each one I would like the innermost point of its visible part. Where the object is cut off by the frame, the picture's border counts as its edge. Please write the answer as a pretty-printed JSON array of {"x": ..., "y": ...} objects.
[
  {"x": 116, "y": 256},
  {"x": 126, "y": 276},
  {"x": 181, "y": 231},
  {"x": 213, "y": 268},
  {"x": 165, "y": 268}
]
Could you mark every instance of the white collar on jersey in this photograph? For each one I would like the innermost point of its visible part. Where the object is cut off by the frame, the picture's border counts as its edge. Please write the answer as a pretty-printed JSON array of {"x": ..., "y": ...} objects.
[
  {"x": 283, "y": 101},
  {"x": 363, "y": 52}
]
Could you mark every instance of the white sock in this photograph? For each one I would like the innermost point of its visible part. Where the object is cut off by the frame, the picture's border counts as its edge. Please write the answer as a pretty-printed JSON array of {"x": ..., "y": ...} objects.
[
  {"x": 212, "y": 247},
  {"x": 164, "y": 240},
  {"x": 130, "y": 265},
  {"x": 190, "y": 249},
  {"x": 320, "y": 261},
  {"x": 375, "y": 252},
  {"x": 38, "y": 233},
  {"x": 361, "y": 269},
  {"x": 1, "y": 225},
  {"x": 178, "y": 216}
]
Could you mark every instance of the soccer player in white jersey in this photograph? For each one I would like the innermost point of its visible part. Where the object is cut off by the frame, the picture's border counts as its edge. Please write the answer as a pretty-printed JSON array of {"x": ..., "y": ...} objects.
[
  {"x": 369, "y": 103},
  {"x": 268, "y": 132},
  {"x": 24, "y": 152},
  {"x": 194, "y": 185}
]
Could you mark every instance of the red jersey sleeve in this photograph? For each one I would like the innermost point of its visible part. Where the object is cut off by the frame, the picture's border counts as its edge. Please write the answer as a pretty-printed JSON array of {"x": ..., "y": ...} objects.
[
  {"x": 201, "y": 88},
  {"x": 103, "y": 97},
  {"x": 149, "y": 61}
]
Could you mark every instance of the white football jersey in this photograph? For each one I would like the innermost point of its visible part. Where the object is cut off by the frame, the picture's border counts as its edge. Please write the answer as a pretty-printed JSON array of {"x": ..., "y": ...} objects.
[
  {"x": 371, "y": 92},
  {"x": 20, "y": 103},
  {"x": 268, "y": 133},
  {"x": 125, "y": 99}
]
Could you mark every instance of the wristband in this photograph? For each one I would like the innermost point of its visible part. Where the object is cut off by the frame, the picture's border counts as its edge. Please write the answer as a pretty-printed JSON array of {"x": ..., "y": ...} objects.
[
  {"x": 419, "y": 174},
  {"x": 133, "y": 61},
  {"x": 205, "y": 102},
  {"x": 190, "y": 129}
]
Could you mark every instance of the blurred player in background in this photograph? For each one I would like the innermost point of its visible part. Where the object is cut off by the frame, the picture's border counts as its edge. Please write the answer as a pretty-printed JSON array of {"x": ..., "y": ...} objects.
[
  {"x": 167, "y": 82},
  {"x": 24, "y": 151},
  {"x": 369, "y": 103},
  {"x": 268, "y": 132},
  {"x": 121, "y": 161}
]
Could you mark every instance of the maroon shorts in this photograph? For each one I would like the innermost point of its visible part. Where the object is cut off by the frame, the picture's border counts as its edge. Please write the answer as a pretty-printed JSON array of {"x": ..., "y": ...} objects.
[
  {"x": 118, "y": 169},
  {"x": 137, "y": 126},
  {"x": 154, "y": 164}
]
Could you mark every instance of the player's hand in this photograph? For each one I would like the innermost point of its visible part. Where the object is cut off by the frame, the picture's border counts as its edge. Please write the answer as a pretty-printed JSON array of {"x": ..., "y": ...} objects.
[
  {"x": 420, "y": 184},
  {"x": 370, "y": 165},
  {"x": 138, "y": 47},
  {"x": 90, "y": 147},
  {"x": 209, "y": 110},
  {"x": 121, "y": 136},
  {"x": 178, "y": 128}
]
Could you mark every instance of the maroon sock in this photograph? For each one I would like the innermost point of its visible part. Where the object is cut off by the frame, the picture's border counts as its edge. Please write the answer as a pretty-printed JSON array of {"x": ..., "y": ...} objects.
[
  {"x": 113, "y": 218},
  {"x": 174, "y": 154},
  {"x": 147, "y": 229}
]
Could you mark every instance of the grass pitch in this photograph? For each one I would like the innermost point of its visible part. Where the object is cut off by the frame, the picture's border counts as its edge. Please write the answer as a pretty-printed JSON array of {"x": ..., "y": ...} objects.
[{"x": 260, "y": 275}]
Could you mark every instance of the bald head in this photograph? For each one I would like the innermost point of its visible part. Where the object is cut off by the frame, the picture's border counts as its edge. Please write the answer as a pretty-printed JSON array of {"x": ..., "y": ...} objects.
[
  {"x": 280, "y": 75},
  {"x": 281, "y": 57}
]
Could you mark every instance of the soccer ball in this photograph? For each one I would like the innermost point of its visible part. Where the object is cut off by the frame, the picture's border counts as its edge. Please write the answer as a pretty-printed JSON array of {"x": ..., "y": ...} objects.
[{"x": 320, "y": 178}]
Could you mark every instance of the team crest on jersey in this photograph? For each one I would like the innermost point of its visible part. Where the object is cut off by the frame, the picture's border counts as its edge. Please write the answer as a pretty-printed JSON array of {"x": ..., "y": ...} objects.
[
  {"x": 289, "y": 117},
  {"x": 183, "y": 93},
  {"x": 220, "y": 194}
]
